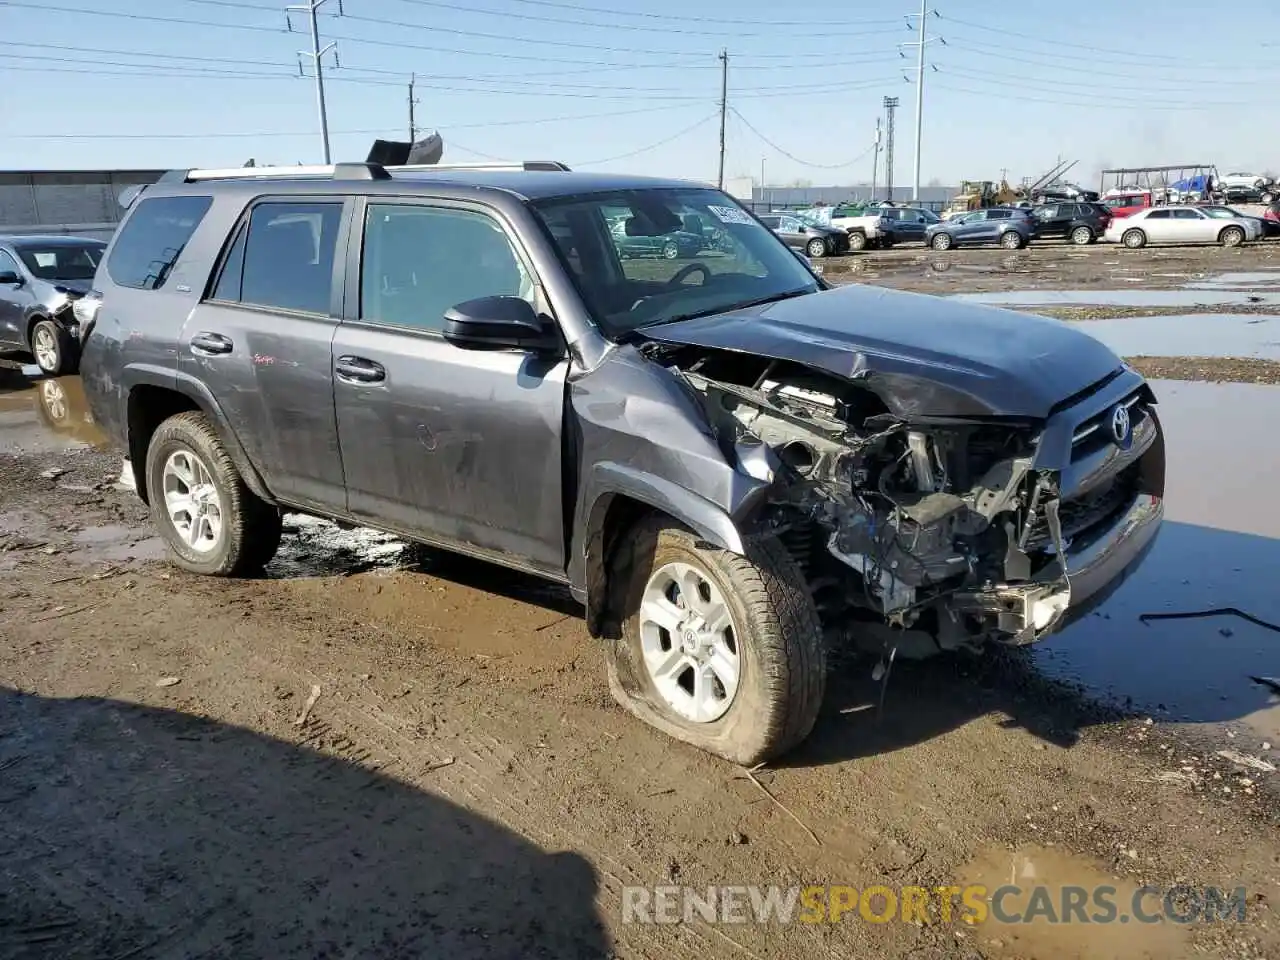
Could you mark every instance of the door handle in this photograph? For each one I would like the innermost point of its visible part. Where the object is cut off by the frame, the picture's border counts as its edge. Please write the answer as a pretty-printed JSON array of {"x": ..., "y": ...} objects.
[
  {"x": 359, "y": 370},
  {"x": 210, "y": 344}
]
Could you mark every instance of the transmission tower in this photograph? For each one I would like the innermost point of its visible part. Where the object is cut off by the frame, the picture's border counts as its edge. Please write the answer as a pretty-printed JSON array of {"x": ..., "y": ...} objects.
[
  {"x": 316, "y": 54},
  {"x": 890, "y": 108}
]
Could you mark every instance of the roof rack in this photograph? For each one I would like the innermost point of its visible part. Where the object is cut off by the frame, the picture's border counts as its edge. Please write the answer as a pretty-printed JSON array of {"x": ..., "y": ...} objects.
[{"x": 346, "y": 171}]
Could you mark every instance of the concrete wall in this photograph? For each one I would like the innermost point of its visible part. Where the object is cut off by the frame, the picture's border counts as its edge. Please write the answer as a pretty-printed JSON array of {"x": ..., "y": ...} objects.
[{"x": 80, "y": 202}]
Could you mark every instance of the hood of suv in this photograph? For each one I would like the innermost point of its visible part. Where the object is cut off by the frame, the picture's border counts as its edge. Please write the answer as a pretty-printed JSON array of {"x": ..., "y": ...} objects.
[{"x": 926, "y": 356}]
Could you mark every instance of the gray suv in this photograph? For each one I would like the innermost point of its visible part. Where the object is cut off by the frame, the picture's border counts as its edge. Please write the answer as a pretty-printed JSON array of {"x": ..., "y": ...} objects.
[{"x": 729, "y": 463}]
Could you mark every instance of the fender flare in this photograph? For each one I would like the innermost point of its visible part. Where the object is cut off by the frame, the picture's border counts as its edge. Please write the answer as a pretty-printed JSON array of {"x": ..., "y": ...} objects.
[
  {"x": 606, "y": 482},
  {"x": 145, "y": 374}
]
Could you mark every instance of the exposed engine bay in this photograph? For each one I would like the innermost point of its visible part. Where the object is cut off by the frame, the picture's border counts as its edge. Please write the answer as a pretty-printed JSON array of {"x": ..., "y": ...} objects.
[{"x": 907, "y": 531}]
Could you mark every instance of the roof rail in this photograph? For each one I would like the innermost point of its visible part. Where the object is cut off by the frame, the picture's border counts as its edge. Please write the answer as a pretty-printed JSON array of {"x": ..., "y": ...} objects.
[{"x": 345, "y": 171}]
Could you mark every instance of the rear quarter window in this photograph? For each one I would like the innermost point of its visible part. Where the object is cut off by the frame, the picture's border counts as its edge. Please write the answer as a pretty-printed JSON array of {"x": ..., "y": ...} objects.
[{"x": 152, "y": 239}]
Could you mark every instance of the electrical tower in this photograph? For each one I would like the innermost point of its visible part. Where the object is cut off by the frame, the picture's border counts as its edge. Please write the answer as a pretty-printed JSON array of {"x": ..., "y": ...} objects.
[
  {"x": 724, "y": 109},
  {"x": 920, "y": 44},
  {"x": 890, "y": 108},
  {"x": 875, "y": 160},
  {"x": 413, "y": 127},
  {"x": 315, "y": 55}
]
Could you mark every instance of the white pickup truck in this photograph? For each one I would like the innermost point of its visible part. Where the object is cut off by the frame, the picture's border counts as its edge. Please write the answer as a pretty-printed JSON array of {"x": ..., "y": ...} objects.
[{"x": 865, "y": 230}]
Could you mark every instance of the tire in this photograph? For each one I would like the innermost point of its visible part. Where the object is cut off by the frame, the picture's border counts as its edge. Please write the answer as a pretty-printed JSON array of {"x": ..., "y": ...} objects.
[
  {"x": 1012, "y": 240},
  {"x": 1231, "y": 237},
  {"x": 857, "y": 241},
  {"x": 816, "y": 248},
  {"x": 1082, "y": 236},
  {"x": 670, "y": 250},
  {"x": 54, "y": 350},
  {"x": 1268, "y": 198},
  {"x": 941, "y": 241},
  {"x": 248, "y": 527},
  {"x": 1134, "y": 239},
  {"x": 777, "y": 640}
]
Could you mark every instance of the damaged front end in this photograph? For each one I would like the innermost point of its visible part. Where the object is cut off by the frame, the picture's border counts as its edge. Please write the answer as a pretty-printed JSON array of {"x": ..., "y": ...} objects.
[{"x": 946, "y": 532}]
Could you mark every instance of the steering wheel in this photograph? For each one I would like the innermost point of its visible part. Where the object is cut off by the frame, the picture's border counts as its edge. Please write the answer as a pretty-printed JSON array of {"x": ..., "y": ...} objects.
[{"x": 687, "y": 271}]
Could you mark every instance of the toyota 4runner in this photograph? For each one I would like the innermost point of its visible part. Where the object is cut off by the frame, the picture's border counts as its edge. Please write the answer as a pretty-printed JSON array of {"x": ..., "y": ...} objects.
[{"x": 729, "y": 463}]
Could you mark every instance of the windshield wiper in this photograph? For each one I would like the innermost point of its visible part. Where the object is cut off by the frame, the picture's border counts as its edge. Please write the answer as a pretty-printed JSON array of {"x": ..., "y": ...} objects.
[{"x": 745, "y": 305}]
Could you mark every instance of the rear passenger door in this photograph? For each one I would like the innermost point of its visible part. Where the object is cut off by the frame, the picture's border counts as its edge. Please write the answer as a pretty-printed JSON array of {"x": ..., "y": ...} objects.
[
  {"x": 261, "y": 342},
  {"x": 462, "y": 447},
  {"x": 1159, "y": 227},
  {"x": 1053, "y": 220}
]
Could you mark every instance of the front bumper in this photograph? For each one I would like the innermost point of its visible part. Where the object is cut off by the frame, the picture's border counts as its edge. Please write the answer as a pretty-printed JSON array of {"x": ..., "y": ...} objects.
[{"x": 1029, "y": 611}]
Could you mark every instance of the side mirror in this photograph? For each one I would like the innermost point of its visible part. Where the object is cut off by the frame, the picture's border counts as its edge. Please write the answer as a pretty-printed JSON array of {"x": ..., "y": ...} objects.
[
  {"x": 498, "y": 323},
  {"x": 9, "y": 278}
]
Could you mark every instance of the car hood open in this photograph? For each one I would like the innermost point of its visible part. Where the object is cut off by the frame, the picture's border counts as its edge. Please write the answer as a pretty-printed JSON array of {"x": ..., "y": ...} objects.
[{"x": 924, "y": 356}]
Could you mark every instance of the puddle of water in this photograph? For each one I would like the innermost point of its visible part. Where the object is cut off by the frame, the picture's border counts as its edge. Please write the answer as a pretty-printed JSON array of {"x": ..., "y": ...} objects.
[
  {"x": 1189, "y": 335},
  {"x": 1260, "y": 280},
  {"x": 45, "y": 415},
  {"x": 117, "y": 543},
  {"x": 1220, "y": 547},
  {"x": 1061, "y": 876},
  {"x": 317, "y": 548}
]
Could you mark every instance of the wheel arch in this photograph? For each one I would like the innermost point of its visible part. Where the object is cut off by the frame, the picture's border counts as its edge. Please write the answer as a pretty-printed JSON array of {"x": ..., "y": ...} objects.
[
  {"x": 622, "y": 497},
  {"x": 153, "y": 395}
]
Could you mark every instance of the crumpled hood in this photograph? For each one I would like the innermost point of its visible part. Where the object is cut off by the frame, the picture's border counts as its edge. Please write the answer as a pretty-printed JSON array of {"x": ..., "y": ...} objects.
[
  {"x": 78, "y": 287},
  {"x": 924, "y": 355}
]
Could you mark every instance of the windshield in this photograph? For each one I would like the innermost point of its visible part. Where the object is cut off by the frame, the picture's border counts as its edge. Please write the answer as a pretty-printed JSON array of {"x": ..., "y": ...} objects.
[
  {"x": 635, "y": 261},
  {"x": 61, "y": 261}
]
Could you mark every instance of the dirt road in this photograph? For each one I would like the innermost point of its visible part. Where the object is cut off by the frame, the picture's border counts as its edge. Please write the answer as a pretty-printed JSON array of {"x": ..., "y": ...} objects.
[{"x": 383, "y": 751}]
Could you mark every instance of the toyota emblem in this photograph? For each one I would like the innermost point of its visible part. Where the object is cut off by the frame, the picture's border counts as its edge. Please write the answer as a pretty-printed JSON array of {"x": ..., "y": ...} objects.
[{"x": 1121, "y": 426}]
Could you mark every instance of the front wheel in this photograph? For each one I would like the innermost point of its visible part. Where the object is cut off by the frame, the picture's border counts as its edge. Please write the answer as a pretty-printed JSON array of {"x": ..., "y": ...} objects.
[
  {"x": 816, "y": 247},
  {"x": 212, "y": 523},
  {"x": 670, "y": 250},
  {"x": 857, "y": 241},
  {"x": 941, "y": 241},
  {"x": 1012, "y": 240},
  {"x": 1082, "y": 236},
  {"x": 1134, "y": 239},
  {"x": 53, "y": 349},
  {"x": 1231, "y": 237},
  {"x": 717, "y": 650}
]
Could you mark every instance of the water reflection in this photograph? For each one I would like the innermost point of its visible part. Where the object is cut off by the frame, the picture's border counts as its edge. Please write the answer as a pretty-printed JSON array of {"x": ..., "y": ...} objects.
[{"x": 1189, "y": 335}]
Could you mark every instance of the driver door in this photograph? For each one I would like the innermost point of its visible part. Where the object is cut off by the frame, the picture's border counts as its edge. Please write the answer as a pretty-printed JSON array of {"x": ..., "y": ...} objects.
[
  {"x": 14, "y": 300},
  {"x": 463, "y": 447}
]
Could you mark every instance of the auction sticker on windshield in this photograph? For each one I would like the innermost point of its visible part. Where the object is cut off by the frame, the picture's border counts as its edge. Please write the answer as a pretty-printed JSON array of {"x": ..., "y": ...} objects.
[{"x": 729, "y": 215}]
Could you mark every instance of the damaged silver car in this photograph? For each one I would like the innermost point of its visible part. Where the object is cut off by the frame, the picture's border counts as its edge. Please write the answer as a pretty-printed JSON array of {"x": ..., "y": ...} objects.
[
  {"x": 41, "y": 280},
  {"x": 730, "y": 464}
]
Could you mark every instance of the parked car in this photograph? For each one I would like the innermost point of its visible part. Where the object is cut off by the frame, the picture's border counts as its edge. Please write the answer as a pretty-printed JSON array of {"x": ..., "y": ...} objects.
[
  {"x": 40, "y": 280},
  {"x": 1271, "y": 218},
  {"x": 722, "y": 464},
  {"x": 814, "y": 238},
  {"x": 1241, "y": 193},
  {"x": 866, "y": 228},
  {"x": 1266, "y": 228},
  {"x": 906, "y": 224},
  {"x": 1079, "y": 222},
  {"x": 679, "y": 244},
  {"x": 1126, "y": 203},
  {"x": 1181, "y": 224},
  {"x": 1011, "y": 227}
]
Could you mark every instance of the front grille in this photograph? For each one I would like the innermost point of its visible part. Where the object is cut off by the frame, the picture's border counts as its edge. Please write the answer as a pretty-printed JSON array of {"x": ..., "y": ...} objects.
[
  {"x": 1081, "y": 515},
  {"x": 1095, "y": 433}
]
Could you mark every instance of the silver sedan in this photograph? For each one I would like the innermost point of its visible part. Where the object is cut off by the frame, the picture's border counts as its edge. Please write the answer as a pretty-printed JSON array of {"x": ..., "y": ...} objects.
[{"x": 1178, "y": 224}]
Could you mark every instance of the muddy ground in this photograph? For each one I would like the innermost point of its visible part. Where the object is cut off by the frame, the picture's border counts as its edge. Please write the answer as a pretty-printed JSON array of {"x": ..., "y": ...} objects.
[{"x": 383, "y": 751}]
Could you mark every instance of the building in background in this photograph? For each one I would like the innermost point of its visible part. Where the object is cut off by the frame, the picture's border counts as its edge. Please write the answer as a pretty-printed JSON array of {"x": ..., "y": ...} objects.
[
  {"x": 766, "y": 198},
  {"x": 81, "y": 202}
]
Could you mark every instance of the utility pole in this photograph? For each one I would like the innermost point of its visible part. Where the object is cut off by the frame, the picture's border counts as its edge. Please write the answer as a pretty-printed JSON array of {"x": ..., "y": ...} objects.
[
  {"x": 920, "y": 44},
  {"x": 413, "y": 127},
  {"x": 316, "y": 54},
  {"x": 890, "y": 108},
  {"x": 724, "y": 107},
  {"x": 875, "y": 160}
]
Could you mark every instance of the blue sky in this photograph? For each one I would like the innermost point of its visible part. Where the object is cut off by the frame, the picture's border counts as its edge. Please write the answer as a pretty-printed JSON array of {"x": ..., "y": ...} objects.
[{"x": 626, "y": 85}]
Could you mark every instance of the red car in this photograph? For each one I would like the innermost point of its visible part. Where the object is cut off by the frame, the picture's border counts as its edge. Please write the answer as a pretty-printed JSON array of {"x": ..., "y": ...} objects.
[{"x": 1129, "y": 202}]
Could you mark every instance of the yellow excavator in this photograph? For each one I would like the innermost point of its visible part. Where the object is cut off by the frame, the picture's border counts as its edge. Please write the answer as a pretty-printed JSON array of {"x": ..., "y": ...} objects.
[{"x": 980, "y": 194}]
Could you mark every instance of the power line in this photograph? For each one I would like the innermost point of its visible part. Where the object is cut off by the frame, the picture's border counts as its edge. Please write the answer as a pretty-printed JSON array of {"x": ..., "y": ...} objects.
[
  {"x": 1093, "y": 105},
  {"x": 311, "y": 9},
  {"x": 920, "y": 44},
  {"x": 793, "y": 157},
  {"x": 679, "y": 18},
  {"x": 1104, "y": 90},
  {"x": 653, "y": 146}
]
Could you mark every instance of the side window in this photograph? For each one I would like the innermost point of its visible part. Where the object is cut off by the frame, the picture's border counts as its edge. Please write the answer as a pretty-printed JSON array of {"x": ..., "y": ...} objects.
[
  {"x": 283, "y": 258},
  {"x": 1187, "y": 215},
  {"x": 790, "y": 225},
  {"x": 771, "y": 222},
  {"x": 420, "y": 261},
  {"x": 8, "y": 264},
  {"x": 1158, "y": 215},
  {"x": 999, "y": 214},
  {"x": 152, "y": 239}
]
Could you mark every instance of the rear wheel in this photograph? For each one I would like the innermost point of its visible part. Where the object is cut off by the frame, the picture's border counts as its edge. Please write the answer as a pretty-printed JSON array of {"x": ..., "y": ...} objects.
[
  {"x": 817, "y": 247},
  {"x": 1231, "y": 237},
  {"x": 718, "y": 650},
  {"x": 1134, "y": 239},
  {"x": 212, "y": 523},
  {"x": 941, "y": 241},
  {"x": 1012, "y": 240},
  {"x": 670, "y": 250},
  {"x": 1082, "y": 236}
]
